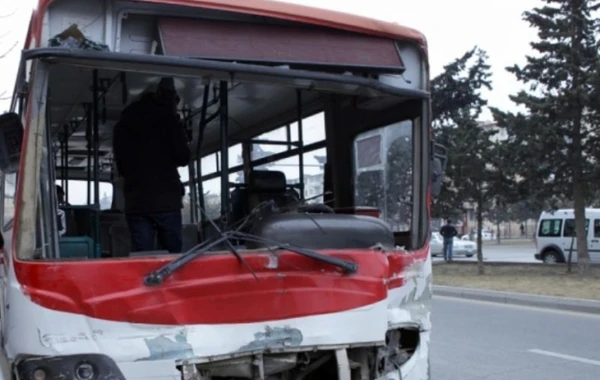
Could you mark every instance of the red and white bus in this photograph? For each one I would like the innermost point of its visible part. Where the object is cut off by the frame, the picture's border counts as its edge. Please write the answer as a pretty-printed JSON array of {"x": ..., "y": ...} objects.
[{"x": 284, "y": 104}]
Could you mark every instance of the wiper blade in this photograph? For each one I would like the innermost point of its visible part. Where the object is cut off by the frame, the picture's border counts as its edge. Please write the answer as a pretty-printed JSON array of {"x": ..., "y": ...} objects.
[
  {"x": 156, "y": 277},
  {"x": 348, "y": 266}
]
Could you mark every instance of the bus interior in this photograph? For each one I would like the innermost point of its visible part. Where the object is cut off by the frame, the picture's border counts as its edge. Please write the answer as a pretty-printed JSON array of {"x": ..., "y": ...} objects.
[{"x": 324, "y": 154}]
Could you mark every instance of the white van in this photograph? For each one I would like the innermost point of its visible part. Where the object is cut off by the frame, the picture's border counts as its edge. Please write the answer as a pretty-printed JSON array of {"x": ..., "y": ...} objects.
[{"x": 556, "y": 232}]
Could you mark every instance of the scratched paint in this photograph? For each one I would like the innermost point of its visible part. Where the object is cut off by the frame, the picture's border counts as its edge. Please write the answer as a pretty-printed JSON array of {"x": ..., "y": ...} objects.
[
  {"x": 273, "y": 262},
  {"x": 411, "y": 303},
  {"x": 274, "y": 337},
  {"x": 162, "y": 347}
]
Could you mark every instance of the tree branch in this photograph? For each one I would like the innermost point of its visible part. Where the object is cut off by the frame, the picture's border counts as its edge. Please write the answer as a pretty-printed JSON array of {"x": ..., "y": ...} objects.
[
  {"x": 9, "y": 14},
  {"x": 9, "y": 50}
]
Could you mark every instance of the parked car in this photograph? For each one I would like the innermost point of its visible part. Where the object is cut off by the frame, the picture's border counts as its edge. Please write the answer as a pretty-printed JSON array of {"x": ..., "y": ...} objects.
[
  {"x": 459, "y": 248},
  {"x": 556, "y": 233},
  {"x": 485, "y": 235}
]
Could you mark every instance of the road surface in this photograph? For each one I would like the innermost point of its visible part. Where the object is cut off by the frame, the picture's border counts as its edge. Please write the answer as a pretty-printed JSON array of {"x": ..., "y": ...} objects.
[
  {"x": 474, "y": 340},
  {"x": 522, "y": 253}
]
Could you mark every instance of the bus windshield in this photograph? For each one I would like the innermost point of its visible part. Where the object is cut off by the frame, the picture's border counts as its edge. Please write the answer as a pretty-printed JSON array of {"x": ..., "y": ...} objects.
[{"x": 301, "y": 140}]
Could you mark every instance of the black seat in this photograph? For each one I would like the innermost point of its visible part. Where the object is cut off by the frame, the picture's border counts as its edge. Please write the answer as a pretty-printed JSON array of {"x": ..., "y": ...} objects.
[
  {"x": 80, "y": 220},
  {"x": 263, "y": 186}
]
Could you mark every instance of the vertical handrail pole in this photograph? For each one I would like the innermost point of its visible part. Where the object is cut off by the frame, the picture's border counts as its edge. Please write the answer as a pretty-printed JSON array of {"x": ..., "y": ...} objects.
[
  {"x": 96, "y": 145},
  {"x": 96, "y": 139},
  {"x": 223, "y": 94},
  {"x": 300, "y": 143},
  {"x": 201, "y": 128},
  {"x": 61, "y": 148},
  {"x": 66, "y": 162},
  {"x": 88, "y": 138}
]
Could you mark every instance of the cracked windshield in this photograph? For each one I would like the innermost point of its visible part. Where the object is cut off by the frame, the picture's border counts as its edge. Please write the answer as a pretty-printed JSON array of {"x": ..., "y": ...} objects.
[{"x": 299, "y": 189}]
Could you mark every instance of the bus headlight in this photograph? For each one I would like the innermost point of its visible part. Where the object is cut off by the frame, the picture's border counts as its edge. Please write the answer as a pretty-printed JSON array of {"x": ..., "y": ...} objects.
[
  {"x": 78, "y": 367},
  {"x": 84, "y": 371},
  {"x": 39, "y": 374}
]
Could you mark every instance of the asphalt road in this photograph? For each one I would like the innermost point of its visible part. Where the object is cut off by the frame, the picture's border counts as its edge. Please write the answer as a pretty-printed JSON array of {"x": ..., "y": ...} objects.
[
  {"x": 474, "y": 340},
  {"x": 522, "y": 253}
]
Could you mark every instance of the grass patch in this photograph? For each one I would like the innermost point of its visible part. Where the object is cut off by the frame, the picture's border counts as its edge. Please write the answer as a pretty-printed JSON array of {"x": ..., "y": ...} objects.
[{"x": 548, "y": 280}]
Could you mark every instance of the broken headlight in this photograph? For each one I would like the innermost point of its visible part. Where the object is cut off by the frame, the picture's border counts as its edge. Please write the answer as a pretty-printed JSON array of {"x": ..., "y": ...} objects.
[{"x": 77, "y": 367}]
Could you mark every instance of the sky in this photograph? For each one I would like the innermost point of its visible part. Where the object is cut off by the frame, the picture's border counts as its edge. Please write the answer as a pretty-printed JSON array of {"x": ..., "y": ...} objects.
[{"x": 451, "y": 28}]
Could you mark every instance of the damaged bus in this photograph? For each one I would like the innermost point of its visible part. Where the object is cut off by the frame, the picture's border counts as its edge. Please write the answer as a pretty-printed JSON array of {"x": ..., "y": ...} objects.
[{"x": 306, "y": 206}]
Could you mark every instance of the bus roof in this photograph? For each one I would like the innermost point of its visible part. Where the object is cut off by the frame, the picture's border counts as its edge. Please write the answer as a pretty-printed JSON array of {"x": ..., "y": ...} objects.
[{"x": 274, "y": 9}]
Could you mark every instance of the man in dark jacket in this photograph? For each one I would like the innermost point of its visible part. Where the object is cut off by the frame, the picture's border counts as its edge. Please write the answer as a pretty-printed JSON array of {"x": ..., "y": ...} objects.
[
  {"x": 149, "y": 145},
  {"x": 448, "y": 232}
]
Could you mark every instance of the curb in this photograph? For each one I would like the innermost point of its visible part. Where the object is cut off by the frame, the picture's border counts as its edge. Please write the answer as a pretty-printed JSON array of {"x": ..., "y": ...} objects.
[
  {"x": 494, "y": 263},
  {"x": 536, "y": 264},
  {"x": 524, "y": 243},
  {"x": 521, "y": 299}
]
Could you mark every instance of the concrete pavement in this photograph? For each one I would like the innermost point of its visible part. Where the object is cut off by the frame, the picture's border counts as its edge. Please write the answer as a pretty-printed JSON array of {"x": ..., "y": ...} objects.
[{"x": 477, "y": 340}]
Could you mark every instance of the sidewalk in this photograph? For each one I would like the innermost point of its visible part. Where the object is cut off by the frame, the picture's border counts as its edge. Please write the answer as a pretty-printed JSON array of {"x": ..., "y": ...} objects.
[
  {"x": 522, "y": 299},
  {"x": 514, "y": 242}
]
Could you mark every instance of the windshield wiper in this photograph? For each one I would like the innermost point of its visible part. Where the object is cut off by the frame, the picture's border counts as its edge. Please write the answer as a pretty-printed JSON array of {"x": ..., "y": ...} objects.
[
  {"x": 157, "y": 277},
  {"x": 348, "y": 266}
]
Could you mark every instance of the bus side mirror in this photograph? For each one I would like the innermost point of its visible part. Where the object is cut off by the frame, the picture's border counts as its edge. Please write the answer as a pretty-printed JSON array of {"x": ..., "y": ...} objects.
[
  {"x": 439, "y": 160},
  {"x": 11, "y": 137}
]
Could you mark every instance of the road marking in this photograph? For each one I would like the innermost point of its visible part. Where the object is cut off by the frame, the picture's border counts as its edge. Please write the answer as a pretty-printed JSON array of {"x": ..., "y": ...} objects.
[{"x": 566, "y": 357}]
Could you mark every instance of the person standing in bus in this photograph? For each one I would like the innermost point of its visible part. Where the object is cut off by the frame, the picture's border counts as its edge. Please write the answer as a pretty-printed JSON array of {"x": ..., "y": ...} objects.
[
  {"x": 149, "y": 144},
  {"x": 448, "y": 232}
]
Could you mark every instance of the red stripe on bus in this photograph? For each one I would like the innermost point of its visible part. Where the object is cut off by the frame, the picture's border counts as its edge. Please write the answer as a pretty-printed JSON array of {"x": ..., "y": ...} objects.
[{"x": 210, "y": 290}]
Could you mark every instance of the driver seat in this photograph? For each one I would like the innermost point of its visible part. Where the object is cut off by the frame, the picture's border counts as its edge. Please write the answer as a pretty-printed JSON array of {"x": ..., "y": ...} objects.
[{"x": 263, "y": 186}]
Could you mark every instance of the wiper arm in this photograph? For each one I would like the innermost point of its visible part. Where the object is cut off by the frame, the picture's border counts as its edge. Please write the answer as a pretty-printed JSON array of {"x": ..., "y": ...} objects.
[
  {"x": 348, "y": 266},
  {"x": 156, "y": 277}
]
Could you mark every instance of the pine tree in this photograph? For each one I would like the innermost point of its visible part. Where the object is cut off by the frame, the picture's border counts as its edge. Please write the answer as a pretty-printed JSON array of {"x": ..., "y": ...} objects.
[
  {"x": 555, "y": 145},
  {"x": 475, "y": 171},
  {"x": 456, "y": 90}
]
